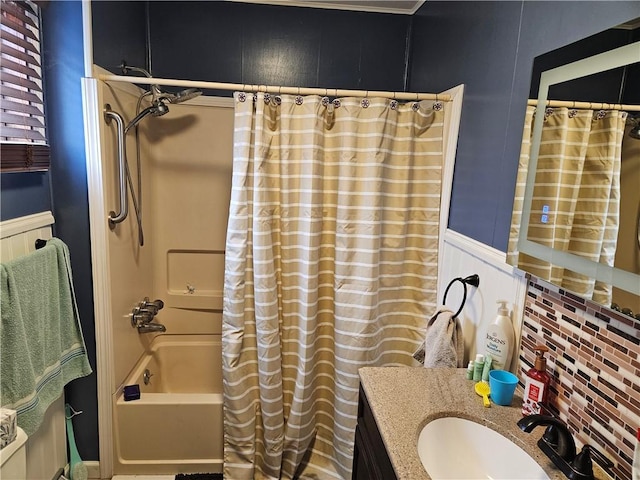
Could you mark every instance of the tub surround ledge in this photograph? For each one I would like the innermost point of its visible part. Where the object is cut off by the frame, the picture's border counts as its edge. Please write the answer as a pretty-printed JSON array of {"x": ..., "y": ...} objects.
[{"x": 404, "y": 399}]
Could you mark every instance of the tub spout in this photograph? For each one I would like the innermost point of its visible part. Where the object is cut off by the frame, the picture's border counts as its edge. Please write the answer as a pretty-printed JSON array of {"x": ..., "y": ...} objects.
[{"x": 151, "y": 327}]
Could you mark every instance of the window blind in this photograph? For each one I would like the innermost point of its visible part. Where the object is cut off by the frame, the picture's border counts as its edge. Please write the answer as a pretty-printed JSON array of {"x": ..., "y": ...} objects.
[{"x": 22, "y": 121}]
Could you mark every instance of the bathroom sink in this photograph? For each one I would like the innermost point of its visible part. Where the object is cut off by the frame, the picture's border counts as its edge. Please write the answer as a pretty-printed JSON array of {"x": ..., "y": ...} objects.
[{"x": 456, "y": 448}]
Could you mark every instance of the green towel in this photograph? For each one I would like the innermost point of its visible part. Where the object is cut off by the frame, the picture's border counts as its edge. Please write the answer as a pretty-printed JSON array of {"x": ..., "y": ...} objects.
[{"x": 41, "y": 343}]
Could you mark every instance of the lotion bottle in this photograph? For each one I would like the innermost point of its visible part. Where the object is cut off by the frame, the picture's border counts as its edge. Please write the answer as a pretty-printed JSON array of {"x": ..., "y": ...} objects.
[
  {"x": 500, "y": 338},
  {"x": 536, "y": 387}
]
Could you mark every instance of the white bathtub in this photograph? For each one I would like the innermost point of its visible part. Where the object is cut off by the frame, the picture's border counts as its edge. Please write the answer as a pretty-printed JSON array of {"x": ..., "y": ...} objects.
[{"x": 176, "y": 425}]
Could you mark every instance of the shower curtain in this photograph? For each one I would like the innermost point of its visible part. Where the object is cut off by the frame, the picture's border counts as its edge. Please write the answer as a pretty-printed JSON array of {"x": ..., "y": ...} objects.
[
  {"x": 576, "y": 198},
  {"x": 331, "y": 265}
]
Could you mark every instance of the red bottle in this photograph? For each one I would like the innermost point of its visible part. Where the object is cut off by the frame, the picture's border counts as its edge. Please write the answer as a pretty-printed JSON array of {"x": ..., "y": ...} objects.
[{"x": 537, "y": 382}]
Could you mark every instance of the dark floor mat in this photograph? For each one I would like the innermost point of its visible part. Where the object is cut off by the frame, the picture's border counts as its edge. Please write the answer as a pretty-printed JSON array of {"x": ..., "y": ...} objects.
[{"x": 199, "y": 476}]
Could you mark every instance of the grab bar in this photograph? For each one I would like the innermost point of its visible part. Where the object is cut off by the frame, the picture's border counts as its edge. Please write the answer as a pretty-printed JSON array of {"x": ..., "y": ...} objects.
[{"x": 114, "y": 217}]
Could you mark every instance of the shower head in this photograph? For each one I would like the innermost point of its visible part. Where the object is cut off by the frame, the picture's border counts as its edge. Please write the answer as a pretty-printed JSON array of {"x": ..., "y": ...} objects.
[{"x": 157, "y": 109}]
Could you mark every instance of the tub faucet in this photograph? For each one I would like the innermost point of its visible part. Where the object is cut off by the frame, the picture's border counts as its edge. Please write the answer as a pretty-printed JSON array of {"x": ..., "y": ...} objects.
[
  {"x": 142, "y": 319},
  {"x": 151, "y": 327}
]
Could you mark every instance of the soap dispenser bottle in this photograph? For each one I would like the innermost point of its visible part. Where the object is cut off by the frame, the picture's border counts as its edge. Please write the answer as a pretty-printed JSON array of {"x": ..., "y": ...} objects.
[
  {"x": 500, "y": 338},
  {"x": 537, "y": 382}
]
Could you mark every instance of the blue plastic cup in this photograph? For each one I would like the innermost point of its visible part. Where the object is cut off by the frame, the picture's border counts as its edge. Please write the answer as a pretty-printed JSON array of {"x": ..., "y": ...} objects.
[{"x": 503, "y": 385}]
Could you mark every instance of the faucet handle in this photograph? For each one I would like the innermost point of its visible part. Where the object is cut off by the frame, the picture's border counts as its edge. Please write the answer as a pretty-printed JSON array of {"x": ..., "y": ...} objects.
[
  {"x": 582, "y": 464},
  {"x": 152, "y": 306},
  {"x": 599, "y": 457}
]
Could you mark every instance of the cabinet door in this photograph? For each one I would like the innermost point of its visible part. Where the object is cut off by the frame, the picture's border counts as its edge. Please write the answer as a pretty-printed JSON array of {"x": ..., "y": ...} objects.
[
  {"x": 364, "y": 461},
  {"x": 370, "y": 459}
]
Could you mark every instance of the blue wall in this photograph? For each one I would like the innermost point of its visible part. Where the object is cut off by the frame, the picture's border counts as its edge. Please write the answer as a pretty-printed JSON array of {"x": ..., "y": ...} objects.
[
  {"x": 63, "y": 68},
  {"x": 24, "y": 194},
  {"x": 119, "y": 32},
  {"x": 260, "y": 44},
  {"x": 490, "y": 47}
]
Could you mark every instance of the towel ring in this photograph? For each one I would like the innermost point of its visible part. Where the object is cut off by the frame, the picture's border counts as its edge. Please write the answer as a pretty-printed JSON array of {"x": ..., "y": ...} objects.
[{"x": 473, "y": 280}]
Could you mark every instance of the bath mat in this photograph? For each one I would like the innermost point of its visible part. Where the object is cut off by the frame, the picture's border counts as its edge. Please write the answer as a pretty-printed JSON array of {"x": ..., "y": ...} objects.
[{"x": 199, "y": 476}]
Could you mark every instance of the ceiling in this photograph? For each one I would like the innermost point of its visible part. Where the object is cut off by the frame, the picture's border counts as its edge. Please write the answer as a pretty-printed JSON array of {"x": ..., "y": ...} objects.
[{"x": 405, "y": 7}]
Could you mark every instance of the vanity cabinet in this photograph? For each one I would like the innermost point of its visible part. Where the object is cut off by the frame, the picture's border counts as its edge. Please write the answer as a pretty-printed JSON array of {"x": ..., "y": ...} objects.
[{"x": 370, "y": 459}]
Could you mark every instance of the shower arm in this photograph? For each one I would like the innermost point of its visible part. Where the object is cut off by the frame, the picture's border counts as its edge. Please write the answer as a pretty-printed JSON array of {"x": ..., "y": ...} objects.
[
  {"x": 153, "y": 89},
  {"x": 115, "y": 218}
]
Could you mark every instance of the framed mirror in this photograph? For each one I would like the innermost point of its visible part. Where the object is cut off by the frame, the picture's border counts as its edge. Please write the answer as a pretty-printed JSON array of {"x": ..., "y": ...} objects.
[{"x": 576, "y": 219}]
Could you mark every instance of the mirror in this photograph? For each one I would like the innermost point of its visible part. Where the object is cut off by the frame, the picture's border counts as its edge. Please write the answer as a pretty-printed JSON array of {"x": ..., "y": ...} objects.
[{"x": 576, "y": 219}]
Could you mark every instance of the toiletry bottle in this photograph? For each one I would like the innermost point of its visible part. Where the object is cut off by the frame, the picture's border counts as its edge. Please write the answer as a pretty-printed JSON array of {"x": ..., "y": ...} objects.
[
  {"x": 537, "y": 383},
  {"x": 500, "y": 338},
  {"x": 488, "y": 365},
  {"x": 478, "y": 365},
  {"x": 636, "y": 459},
  {"x": 470, "y": 370}
]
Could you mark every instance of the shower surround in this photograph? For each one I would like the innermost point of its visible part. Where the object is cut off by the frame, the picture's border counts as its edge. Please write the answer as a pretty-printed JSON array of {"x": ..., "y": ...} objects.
[{"x": 186, "y": 161}]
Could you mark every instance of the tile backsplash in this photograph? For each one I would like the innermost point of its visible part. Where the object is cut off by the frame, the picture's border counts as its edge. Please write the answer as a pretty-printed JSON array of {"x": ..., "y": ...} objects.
[{"x": 594, "y": 361}]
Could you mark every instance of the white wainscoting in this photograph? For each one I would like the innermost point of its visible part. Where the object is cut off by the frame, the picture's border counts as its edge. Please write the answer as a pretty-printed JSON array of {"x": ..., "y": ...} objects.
[
  {"x": 464, "y": 256},
  {"x": 46, "y": 448}
]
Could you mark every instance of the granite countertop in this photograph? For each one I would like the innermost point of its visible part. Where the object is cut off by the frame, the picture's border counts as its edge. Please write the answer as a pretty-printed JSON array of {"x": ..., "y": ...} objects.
[{"x": 404, "y": 399}]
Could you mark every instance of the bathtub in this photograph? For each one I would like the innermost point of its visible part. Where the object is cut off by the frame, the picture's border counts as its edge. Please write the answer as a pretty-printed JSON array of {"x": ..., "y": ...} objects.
[{"x": 176, "y": 425}]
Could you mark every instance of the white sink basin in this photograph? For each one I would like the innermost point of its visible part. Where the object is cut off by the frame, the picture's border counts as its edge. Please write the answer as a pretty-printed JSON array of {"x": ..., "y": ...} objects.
[{"x": 456, "y": 448}]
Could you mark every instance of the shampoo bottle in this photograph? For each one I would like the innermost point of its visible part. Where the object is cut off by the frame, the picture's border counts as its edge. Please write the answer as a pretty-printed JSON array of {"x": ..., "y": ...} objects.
[
  {"x": 536, "y": 385},
  {"x": 500, "y": 338}
]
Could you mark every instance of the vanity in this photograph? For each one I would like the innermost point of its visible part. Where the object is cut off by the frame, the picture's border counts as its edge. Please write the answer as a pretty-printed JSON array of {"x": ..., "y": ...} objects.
[{"x": 397, "y": 402}]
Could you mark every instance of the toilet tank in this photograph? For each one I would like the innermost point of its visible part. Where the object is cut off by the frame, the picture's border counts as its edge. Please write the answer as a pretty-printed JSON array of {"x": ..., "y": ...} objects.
[{"x": 13, "y": 458}]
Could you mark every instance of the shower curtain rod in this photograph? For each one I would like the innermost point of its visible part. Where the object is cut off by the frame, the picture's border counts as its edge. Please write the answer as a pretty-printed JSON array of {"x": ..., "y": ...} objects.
[
  {"x": 337, "y": 92},
  {"x": 589, "y": 105}
]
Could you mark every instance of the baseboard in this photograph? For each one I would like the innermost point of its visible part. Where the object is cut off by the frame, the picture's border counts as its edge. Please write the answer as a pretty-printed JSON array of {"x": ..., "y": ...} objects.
[{"x": 93, "y": 469}]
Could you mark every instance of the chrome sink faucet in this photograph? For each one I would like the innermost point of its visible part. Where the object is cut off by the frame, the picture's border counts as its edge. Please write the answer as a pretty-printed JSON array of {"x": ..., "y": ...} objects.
[{"x": 557, "y": 443}]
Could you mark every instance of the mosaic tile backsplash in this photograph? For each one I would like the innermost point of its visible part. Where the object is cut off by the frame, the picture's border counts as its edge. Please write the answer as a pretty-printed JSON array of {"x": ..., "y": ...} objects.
[{"x": 594, "y": 361}]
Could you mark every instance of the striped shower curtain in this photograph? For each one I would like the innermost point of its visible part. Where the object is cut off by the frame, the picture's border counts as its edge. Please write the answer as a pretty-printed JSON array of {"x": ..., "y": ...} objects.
[
  {"x": 331, "y": 265},
  {"x": 576, "y": 198}
]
